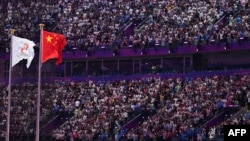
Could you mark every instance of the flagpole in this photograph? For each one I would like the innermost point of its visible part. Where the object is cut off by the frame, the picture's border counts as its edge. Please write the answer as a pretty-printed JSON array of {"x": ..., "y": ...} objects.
[
  {"x": 39, "y": 85},
  {"x": 12, "y": 31}
]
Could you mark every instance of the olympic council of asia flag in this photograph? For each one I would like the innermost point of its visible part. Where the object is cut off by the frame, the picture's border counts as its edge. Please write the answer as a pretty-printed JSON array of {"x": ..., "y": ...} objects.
[{"x": 22, "y": 49}]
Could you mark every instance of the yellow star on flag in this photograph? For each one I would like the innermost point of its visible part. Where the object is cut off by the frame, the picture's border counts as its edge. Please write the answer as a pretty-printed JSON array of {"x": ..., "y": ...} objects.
[{"x": 49, "y": 39}]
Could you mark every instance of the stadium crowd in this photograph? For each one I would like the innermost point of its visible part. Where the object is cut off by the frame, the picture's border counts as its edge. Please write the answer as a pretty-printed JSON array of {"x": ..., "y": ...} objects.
[
  {"x": 90, "y": 25},
  {"x": 86, "y": 24},
  {"x": 182, "y": 105},
  {"x": 23, "y": 108},
  {"x": 102, "y": 108}
]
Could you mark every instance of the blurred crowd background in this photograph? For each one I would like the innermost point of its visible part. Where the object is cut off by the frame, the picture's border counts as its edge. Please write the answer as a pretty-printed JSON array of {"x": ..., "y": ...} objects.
[{"x": 146, "y": 109}]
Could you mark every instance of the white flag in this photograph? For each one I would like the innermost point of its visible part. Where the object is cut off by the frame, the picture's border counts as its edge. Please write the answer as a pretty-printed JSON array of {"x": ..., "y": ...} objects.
[{"x": 22, "y": 49}]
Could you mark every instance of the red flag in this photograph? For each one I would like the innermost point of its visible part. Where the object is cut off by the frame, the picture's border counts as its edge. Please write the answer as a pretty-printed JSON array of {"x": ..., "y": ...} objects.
[{"x": 53, "y": 44}]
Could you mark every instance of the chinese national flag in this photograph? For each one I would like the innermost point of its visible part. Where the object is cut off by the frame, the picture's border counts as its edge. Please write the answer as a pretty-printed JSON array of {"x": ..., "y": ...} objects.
[{"x": 53, "y": 44}]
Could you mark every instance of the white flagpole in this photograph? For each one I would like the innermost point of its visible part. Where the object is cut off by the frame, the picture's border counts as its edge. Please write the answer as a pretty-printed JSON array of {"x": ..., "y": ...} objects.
[
  {"x": 9, "y": 89},
  {"x": 39, "y": 85}
]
